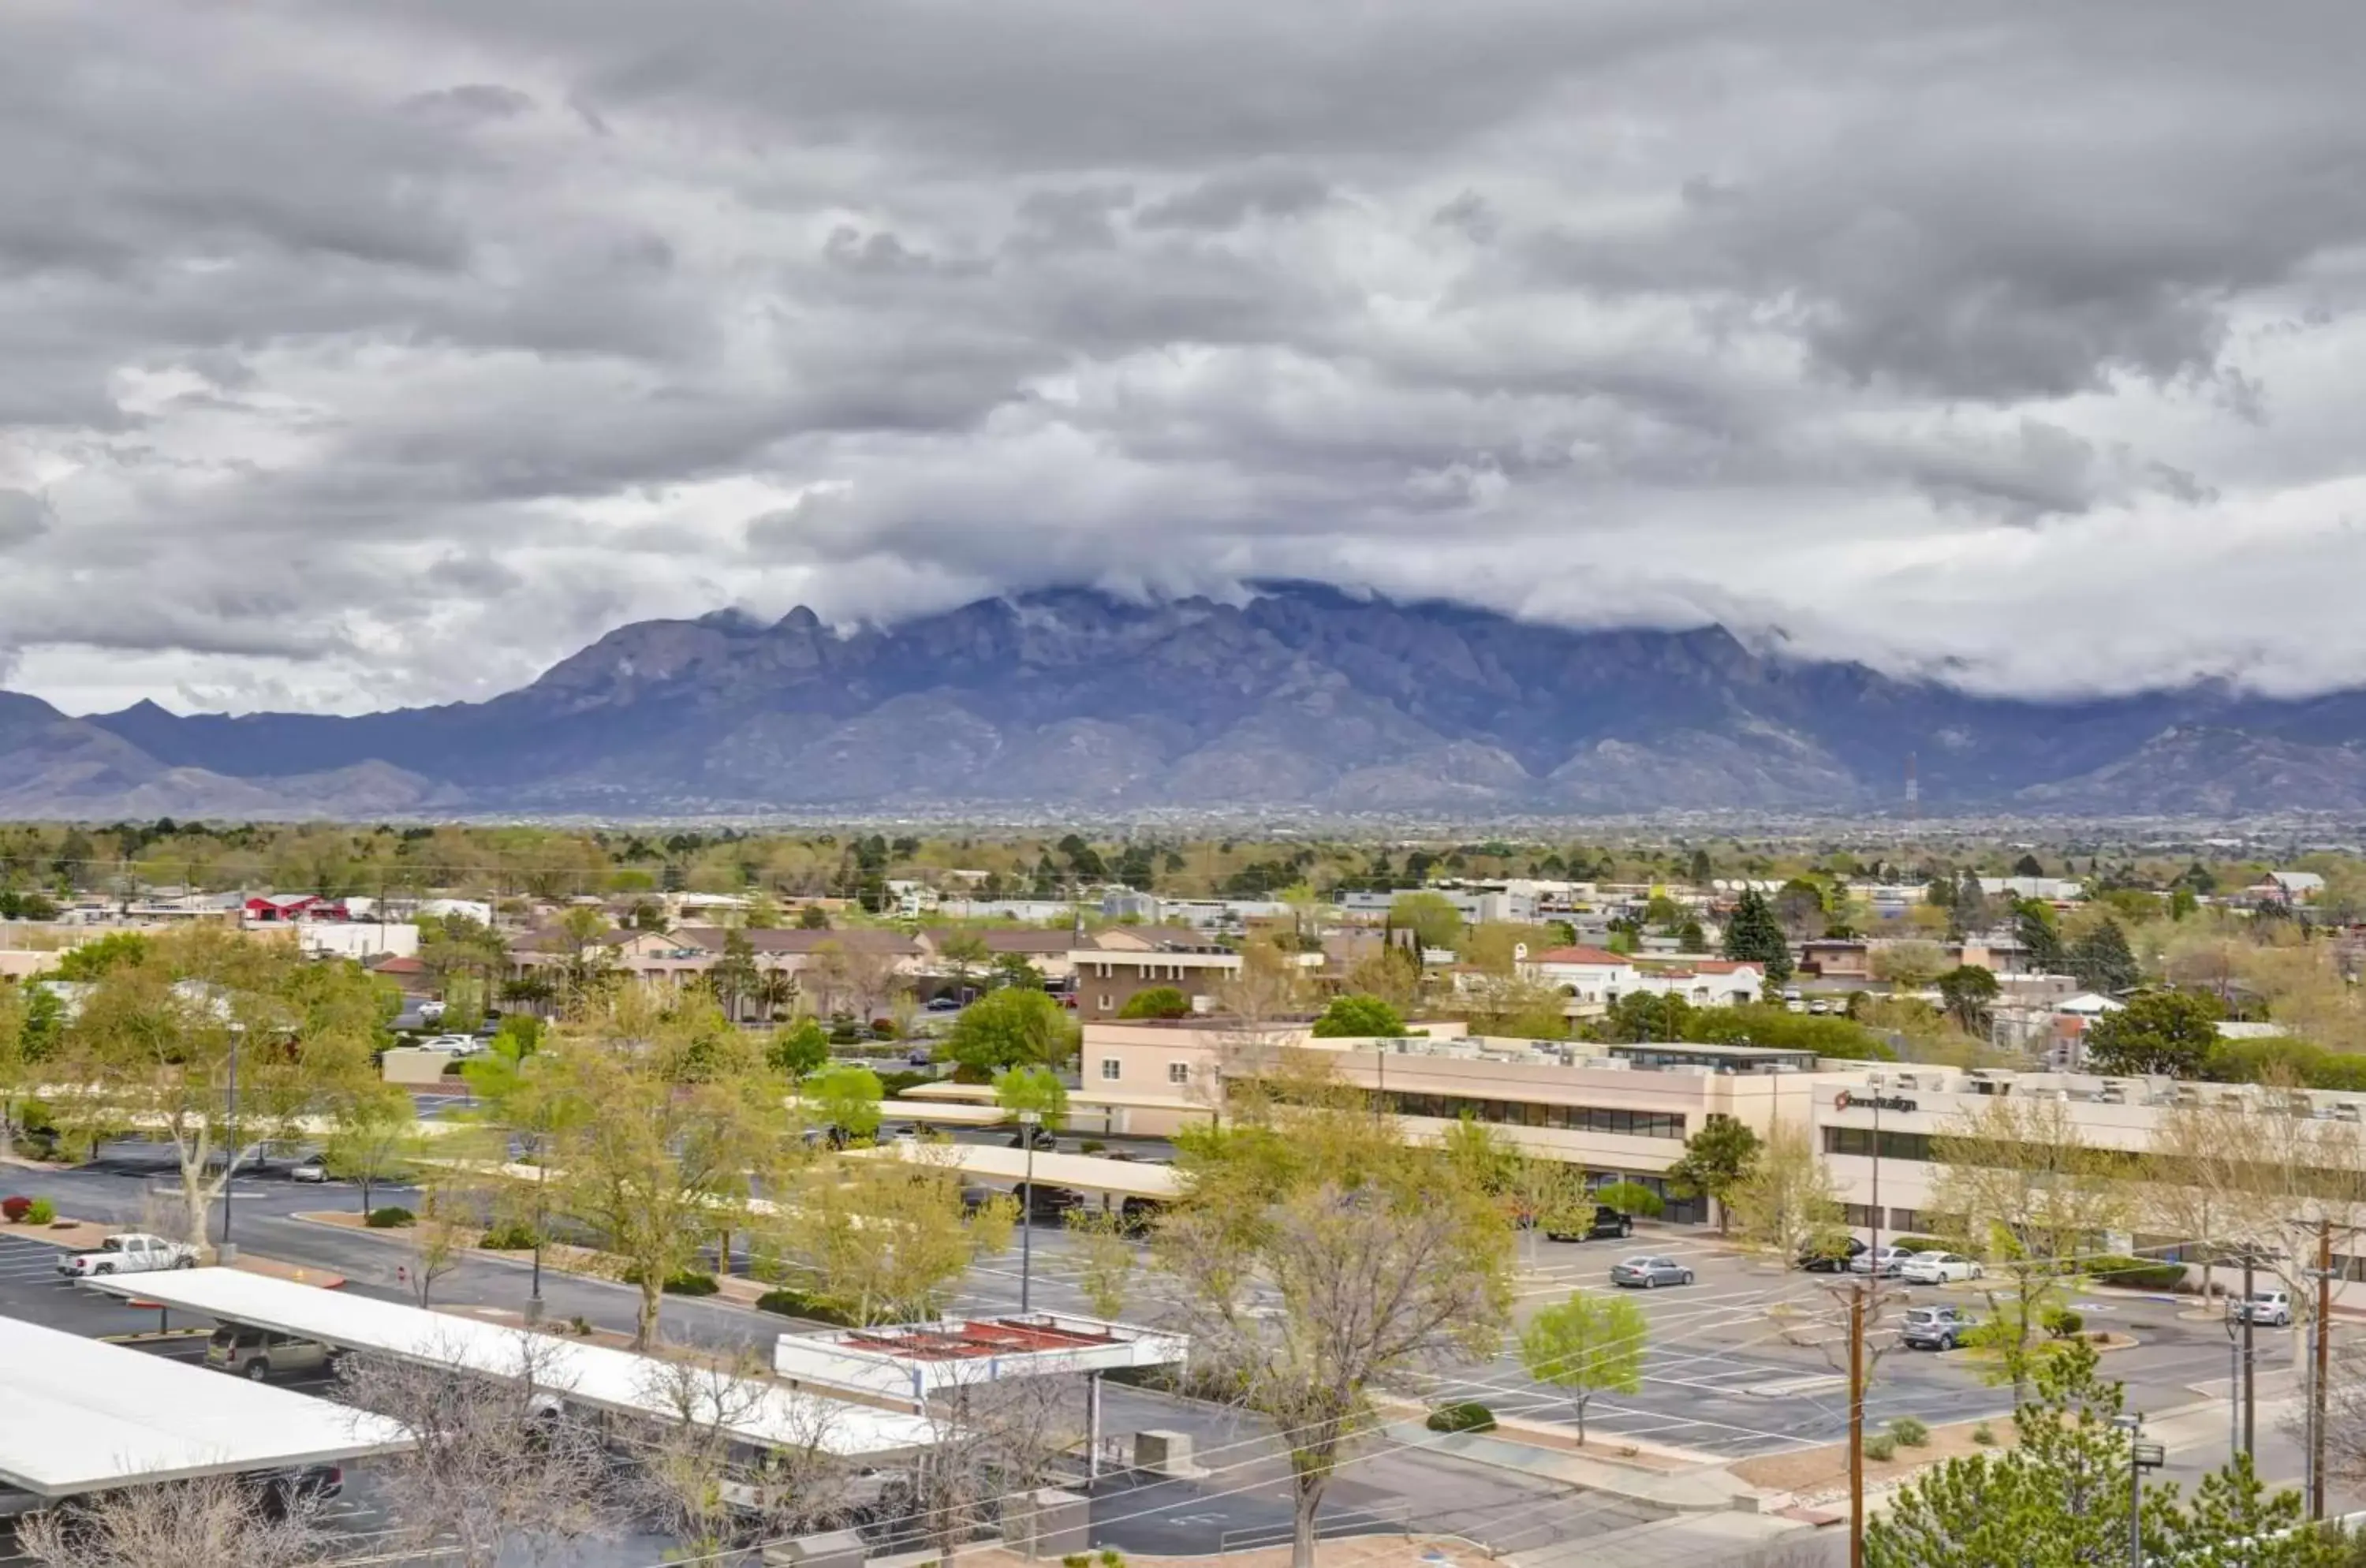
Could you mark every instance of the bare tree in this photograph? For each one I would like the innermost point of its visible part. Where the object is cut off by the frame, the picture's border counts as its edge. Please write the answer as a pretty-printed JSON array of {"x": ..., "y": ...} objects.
[
  {"x": 208, "y": 1523},
  {"x": 496, "y": 1462},
  {"x": 1319, "y": 1261},
  {"x": 988, "y": 1442},
  {"x": 700, "y": 1475}
]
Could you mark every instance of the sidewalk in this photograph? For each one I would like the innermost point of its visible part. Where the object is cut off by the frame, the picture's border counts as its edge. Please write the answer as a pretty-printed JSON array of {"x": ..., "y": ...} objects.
[{"x": 1704, "y": 1490}]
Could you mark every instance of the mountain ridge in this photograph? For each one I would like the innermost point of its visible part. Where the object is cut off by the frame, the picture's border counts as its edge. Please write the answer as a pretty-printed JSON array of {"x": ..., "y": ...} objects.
[{"x": 1301, "y": 696}]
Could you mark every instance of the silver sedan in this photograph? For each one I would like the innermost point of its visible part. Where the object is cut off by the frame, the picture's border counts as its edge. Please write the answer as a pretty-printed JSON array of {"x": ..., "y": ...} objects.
[{"x": 1650, "y": 1273}]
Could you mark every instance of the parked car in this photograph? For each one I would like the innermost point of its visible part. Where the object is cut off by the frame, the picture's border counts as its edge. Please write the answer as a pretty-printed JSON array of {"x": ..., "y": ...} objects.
[
  {"x": 1606, "y": 1224},
  {"x": 940, "y": 1004},
  {"x": 431, "y": 1013},
  {"x": 2273, "y": 1308},
  {"x": 1052, "y": 1202},
  {"x": 1882, "y": 1265},
  {"x": 1650, "y": 1273},
  {"x": 1935, "y": 1328},
  {"x": 453, "y": 1043},
  {"x": 132, "y": 1253},
  {"x": 1045, "y": 1142},
  {"x": 919, "y": 1057},
  {"x": 1834, "y": 1259},
  {"x": 1940, "y": 1268},
  {"x": 311, "y": 1168},
  {"x": 256, "y": 1353}
]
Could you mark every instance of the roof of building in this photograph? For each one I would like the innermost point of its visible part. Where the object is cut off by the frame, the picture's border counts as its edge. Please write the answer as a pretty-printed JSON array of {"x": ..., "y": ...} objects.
[
  {"x": 84, "y": 1414},
  {"x": 1151, "y": 939},
  {"x": 1591, "y": 956},
  {"x": 797, "y": 939},
  {"x": 1006, "y": 939},
  {"x": 911, "y": 1360}
]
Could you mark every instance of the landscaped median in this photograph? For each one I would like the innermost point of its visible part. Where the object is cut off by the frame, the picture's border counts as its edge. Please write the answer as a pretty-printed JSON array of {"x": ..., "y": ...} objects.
[{"x": 557, "y": 1258}]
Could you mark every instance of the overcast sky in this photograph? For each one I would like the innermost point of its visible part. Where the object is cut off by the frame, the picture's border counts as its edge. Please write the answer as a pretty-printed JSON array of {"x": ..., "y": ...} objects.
[{"x": 355, "y": 355}]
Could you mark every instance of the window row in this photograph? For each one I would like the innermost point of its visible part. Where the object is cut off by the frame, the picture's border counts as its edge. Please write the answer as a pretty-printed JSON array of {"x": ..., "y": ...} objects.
[{"x": 1524, "y": 1113}]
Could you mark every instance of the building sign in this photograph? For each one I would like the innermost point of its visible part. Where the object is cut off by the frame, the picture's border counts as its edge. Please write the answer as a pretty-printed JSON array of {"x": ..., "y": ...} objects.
[{"x": 1844, "y": 1101}]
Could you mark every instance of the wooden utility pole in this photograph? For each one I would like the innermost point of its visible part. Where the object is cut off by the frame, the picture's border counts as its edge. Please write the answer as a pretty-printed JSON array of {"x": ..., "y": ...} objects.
[
  {"x": 1857, "y": 1427},
  {"x": 2250, "y": 1409},
  {"x": 2316, "y": 1382}
]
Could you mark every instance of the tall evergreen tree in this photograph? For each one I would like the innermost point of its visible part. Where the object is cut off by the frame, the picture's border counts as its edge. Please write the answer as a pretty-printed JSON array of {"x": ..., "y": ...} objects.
[
  {"x": 2101, "y": 960},
  {"x": 1755, "y": 936},
  {"x": 2041, "y": 943}
]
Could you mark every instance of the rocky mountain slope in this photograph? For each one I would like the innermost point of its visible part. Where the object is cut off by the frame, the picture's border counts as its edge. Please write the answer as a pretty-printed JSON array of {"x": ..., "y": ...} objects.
[{"x": 1305, "y": 696}]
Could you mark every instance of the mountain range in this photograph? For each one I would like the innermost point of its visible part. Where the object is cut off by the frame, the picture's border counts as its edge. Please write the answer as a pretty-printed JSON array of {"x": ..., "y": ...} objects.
[{"x": 1303, "y": 697}]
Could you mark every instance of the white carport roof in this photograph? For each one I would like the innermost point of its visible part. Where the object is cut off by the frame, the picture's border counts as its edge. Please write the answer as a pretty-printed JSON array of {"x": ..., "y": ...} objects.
[
  {"x": 1087, "y": 1173},
  {"x": 589, "y": 1375},
  {"x": 82, "y": 1416}
]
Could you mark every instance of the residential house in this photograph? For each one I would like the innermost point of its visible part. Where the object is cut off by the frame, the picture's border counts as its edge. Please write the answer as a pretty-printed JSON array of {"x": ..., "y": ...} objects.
[
  {"x": 1594, "y": 979},
  {"x": 1048, "y": 951}
]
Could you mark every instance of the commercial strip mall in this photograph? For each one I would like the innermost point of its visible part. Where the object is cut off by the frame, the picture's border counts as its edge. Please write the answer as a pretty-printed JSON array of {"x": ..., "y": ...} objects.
[{"x": 1623, "y": 1111}]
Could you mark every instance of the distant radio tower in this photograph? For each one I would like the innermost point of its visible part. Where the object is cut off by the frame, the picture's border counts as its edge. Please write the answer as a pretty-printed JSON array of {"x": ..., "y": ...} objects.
[{"x": 1913, "y": 790}]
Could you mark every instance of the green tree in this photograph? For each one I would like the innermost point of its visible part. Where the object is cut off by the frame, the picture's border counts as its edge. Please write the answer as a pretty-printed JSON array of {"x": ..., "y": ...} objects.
[
  {"x": 2028, "y": 866},
  {"x": 846, "y": 1098},
  {"x": 1647, "y": 1015},
  {"x": 2041, "y": 939},
  {"x": 1008, "y": 1028},
  {"x": 102, "y": 956},
  {"x": 1585, "y": 1346},
  {"x": 1631, "y": 1198},
  {"x": 2102, "y": 961},
  {"x": 1753, "y": 935},
  {"x": 813, "y": 918},
  {"x": 1716, "y": 1160},
  {"x": 1032, "y": 1089},
  {"x": 1013, "y": 972},
  {"x": 965, "y": 956},
  {"x": 798, "y": 1050},
  {"x": 1787, "y": 1203},
  {"x": 374, "y": 1136},
  {"x": 1431, "y": 917},
  {"x": 670, "y": 1116},
  {"x": 1699, "y": 870},
  {"x": 2060, "y": 1499},
  {"x": 1158, "y": 1001},
  {"x": 1359, "y": 1018},
  {"x": 734, "y": 977},
  {"x": 2173, "y": 1033},
  {"x": 1969, "y": 990}
]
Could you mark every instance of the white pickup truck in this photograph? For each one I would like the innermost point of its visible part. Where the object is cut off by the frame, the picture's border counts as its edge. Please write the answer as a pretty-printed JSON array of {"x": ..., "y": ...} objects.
[{"x": 132, "y": 1253}]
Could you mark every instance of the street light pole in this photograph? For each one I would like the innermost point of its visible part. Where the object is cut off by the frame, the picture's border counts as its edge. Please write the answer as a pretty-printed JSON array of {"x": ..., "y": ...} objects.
[
  {"x": 1028, "y": 1121},
  {"x": 2132, "y": 1425},
  {"x": 228, "y": 1251}
]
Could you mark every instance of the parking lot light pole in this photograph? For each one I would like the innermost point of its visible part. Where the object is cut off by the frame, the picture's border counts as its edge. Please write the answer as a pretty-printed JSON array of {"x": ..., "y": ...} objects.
[
  {"x": 228, "y": 1251},
  {"x": 2132, "y": 1425},
  {"x": 1028, "y": 1121}
]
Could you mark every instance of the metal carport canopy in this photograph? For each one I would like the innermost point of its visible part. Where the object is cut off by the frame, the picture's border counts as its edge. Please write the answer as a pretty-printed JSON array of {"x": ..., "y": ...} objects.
[
  {"x": 80, "y": 1415},
  {"x": 597, "y": 1375}
]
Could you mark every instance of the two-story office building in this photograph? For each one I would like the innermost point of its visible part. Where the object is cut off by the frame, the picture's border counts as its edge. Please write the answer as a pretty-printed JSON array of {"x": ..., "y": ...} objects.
[
  {"x": 1620, "y": 1112},
  {"x": 1623, "y": 1111}
]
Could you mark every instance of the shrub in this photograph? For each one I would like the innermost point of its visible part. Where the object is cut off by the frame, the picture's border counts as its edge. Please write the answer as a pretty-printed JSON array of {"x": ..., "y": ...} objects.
[
  {"x": 1921, "y": 1244},
  {"x": 388, "y": 1218},
  {"x": 14, "y": 1210},
  {"x": 1090, "y": 1147},
  {"x": 1984, "y": 1435},
  {"x": 1467, "y": 1416},
  {"x": 1909, "y": 1433},
  {"x": 580, "y": 1326},
  {"x": 2061, "y": 1323},
  {"x": 1631, "y": 1198},
  {"x": 2137, "y": 1273},
  {"x": 682, "y": 1282},
  {"x": 1112, "y": 1558},
  {"x": 1880, "y": 1446},
  {"x": 1159, "y": 1001},
  {"x": 1077, "y": 1560},
  {"x": 511, "y": 1238},
  {"x": 42, "y": 1212},
  {"x": 792, "y": 1303}
]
